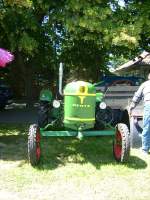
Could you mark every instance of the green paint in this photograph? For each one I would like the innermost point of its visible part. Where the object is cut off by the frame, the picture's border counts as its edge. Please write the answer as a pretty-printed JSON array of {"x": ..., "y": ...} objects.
[
  {"x": 80, "y": 135},
  {"x": 75, "y": 133},
  {"x": 99, "y": 96},
  {"x": 79, "y": 106},
  {"x": 46, "y": 95}
]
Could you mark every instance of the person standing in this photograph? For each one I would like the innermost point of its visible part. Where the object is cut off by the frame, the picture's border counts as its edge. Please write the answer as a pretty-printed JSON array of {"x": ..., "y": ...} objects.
[{"x": 143, "y": 92}]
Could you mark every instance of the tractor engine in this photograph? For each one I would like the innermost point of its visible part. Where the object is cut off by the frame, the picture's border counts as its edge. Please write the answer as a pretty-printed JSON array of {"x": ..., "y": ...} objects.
[{"x": 79, "y": 105}]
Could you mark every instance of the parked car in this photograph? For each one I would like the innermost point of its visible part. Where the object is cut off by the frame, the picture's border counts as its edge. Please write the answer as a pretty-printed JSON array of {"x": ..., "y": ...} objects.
[{"x": 6, "y": 95}]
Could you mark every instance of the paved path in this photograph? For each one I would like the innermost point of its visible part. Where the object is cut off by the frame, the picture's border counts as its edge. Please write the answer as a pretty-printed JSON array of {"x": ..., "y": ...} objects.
[{"x": 18, "y": 114}]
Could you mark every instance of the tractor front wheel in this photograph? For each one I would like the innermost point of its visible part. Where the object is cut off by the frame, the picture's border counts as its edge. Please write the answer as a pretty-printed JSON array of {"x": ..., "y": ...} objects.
[
  {"x": 121, "y": 144},
  {"x": 34, "y": 150}
]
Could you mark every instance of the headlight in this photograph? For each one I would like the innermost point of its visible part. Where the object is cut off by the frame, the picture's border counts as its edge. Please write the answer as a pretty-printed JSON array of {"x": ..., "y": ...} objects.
[
  {"x": 56, "y": 104},
  {"x": 102, "y": 105}
]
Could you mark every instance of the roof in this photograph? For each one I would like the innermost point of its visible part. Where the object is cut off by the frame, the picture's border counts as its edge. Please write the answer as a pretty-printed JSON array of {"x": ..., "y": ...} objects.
[{"x": 143, "y": 60}]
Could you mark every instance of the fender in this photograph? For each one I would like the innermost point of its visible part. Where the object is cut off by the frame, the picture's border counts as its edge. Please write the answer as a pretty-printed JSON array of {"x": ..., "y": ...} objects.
[
  {"x": 46, "y": 95},
  {"x": 99, "y": 96}
]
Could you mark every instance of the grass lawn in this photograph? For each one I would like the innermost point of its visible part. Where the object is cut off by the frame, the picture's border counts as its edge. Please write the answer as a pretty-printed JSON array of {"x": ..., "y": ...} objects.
[{"x": 69, "y": 170}]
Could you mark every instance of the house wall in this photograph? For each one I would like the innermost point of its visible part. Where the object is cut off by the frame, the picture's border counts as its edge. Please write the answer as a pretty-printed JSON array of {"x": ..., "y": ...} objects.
[{"x": 139, "y": 70}]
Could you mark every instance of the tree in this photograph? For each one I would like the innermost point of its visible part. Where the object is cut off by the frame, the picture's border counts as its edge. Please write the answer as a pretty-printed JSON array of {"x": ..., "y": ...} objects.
[
  {"x": 27, "y": 39},
  {"x": 95, "y": 29},
  {"x": 81, "y": 34}
]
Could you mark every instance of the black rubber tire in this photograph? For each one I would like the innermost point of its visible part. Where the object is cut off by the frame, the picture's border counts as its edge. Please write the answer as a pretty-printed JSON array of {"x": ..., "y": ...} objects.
[
  {"x": 106, "y": 115},
  {"x": 125, "y": 118},
  {"x": 116, "y": 116},
  {"x": 121, "y": 144},
  {"x": 43, "y": 114},
  {"x": 136, "y": 132},
  {"x": 34, "y": 150},
  {"x": 103, "y": 116}
]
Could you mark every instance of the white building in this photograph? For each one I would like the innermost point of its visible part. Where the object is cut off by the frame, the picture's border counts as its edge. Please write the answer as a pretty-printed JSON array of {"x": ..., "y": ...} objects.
[{"x": 139, "y": 66}]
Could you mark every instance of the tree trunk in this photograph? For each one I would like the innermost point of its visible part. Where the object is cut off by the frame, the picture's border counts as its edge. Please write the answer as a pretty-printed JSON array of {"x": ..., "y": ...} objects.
[
  {"x": 29, "y": 86},
  {"x": 21, "y": 78},
  {"x": 17, "y": 77}
]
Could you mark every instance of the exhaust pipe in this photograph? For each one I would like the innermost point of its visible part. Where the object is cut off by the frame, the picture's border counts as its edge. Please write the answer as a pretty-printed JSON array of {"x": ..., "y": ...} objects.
[{"x": 60, "y": 78}]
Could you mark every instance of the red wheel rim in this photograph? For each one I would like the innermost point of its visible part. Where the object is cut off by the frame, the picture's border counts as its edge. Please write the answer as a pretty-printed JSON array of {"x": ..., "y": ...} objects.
[
  {"x": 118, "y": 145},
  {"x": 38, "y": 150}
]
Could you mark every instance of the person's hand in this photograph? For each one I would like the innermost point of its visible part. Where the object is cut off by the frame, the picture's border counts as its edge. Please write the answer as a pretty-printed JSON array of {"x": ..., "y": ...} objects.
[
  {"x": 131, "y": 107},
  {"x": 130, "y": 111}
]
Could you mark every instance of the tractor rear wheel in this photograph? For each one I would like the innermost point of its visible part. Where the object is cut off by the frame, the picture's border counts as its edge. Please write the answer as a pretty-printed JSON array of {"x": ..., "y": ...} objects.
[
  {"x": 121, "y": 144},
  {"x": 34, "y": 150},
  {"x": 43, "y": 114}
]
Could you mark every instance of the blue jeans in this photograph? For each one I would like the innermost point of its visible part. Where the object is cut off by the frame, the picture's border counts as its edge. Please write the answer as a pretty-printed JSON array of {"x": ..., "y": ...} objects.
[{"x": 146, "y": 127}]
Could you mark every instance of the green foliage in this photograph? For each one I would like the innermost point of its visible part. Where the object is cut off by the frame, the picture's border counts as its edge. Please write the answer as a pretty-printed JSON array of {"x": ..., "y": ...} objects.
[
  {"x": 116, "y": 61},
  {"x": 18, "y": 3},
  {"x": 82, "y": 34},
  {"x": 27, "y": 43}
]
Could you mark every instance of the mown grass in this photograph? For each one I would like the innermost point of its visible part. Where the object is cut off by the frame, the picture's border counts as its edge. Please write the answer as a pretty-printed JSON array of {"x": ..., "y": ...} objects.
[{"x": 69, "y": 169}]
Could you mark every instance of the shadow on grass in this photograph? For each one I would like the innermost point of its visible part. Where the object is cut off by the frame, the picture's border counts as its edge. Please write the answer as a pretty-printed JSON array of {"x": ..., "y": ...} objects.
[
  {"x": 13, "y": 142},
  {"x": 13, "y": 148},
  {"x": 60, "y": 151},
  {"x": 13, "y": 129},
  {"x": 96, "y": 150},
  {"x": 136, "y": 163}
]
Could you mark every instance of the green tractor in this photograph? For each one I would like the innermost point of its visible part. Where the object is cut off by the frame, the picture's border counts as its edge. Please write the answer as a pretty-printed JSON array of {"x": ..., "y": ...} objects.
[{"x": 80, "y": 113}]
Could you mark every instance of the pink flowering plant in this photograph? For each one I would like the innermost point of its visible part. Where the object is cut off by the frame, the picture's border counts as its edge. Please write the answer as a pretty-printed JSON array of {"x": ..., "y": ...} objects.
[{"x": 5, "y": 57}]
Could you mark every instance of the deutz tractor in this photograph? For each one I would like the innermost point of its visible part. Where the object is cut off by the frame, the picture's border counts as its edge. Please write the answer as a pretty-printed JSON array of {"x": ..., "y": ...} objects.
[{"x": 81, "y": 112}]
